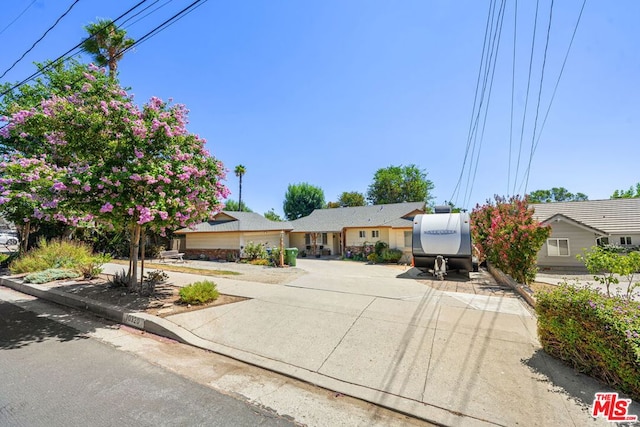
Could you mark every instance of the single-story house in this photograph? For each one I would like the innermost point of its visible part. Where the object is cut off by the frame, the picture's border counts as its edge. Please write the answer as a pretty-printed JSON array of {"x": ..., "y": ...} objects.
[
  {"x": 580, "y": 225},
  {"x": 323, "y": 232},
  {"x": 224, "y": 236},
  {"x": 337, "y": 231}
]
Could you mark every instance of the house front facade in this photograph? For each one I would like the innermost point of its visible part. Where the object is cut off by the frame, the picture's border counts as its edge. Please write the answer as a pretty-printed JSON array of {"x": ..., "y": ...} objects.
[
  {"x": 578, "y": 226},
  {"x": 227, "y": 233},
  {"x": 350, "y": 230},
  {"x": 324, "y": 232}
]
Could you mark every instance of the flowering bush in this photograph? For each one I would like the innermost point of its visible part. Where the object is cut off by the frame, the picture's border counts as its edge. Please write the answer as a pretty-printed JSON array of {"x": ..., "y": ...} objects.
[
  {"x": 593, "y": 333},
  {"x": 506, "y": 235},
  {"x": 86, "y": 153}
]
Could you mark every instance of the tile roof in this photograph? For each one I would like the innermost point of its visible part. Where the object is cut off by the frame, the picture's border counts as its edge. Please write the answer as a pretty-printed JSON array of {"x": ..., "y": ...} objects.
[
  {"x": 241, "y": 221},
  {"x": 613, "y": 216},
  {"x": 334, "y": 220}
]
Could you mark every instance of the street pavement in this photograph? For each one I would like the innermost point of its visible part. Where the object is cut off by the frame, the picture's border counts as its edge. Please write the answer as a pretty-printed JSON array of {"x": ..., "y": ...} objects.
[{"x": 382, "y": 334}]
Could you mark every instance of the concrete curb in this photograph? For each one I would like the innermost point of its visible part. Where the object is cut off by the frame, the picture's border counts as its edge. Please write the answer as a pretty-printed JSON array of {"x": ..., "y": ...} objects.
[
  {"x": 160, "y": 326},
  {"x": 504, "y": 279}
]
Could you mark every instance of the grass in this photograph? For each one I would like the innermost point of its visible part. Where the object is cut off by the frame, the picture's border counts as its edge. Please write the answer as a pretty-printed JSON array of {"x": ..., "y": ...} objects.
[{"x": 181, "y": 269}]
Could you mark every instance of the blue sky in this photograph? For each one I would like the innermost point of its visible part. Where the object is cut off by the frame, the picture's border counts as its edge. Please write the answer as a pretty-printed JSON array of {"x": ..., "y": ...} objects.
[{"x": 327, "y": 92}]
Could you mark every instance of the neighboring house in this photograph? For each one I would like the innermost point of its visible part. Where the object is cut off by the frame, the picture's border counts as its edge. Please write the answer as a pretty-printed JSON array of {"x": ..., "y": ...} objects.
[
  {"x": 350, "y": 229},
  {"x": 323, "y": 232},
  {"x": 580, "y": 225},
  {"x": 228, "y": 233}
]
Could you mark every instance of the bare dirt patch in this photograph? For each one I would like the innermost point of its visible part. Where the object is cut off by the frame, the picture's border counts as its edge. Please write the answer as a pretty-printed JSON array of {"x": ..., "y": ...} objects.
[
  {"x": 165, "y": 301},
  {"x": 541, "y": 287}
]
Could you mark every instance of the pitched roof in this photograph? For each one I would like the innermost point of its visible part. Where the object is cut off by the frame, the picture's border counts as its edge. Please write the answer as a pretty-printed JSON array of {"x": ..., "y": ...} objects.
[
  {"x": 334, "y": 220},
  {"x": 238, "y": 221},
  {"x": 613, "y": 216}
]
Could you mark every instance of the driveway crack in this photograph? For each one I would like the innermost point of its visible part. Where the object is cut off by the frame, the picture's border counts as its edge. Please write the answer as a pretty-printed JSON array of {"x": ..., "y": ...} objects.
[{"x": 345, "y": 334}]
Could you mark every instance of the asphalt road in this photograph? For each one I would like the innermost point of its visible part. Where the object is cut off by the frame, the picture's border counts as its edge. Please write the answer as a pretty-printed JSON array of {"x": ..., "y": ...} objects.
[{"x": 51, "y": 375}]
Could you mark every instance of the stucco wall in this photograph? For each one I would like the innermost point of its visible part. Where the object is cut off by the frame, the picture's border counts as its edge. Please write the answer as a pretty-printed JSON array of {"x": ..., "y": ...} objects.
[{"x": 579, "y": 239}]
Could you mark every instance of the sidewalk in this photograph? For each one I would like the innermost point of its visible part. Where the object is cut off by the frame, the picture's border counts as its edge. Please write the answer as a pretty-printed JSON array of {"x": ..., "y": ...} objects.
[{"x": 378, "y": 334}]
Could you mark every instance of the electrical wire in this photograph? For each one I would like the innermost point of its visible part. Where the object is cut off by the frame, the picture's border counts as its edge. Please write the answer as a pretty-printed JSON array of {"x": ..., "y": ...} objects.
[
  {"x": 40, "y": 39},
  {"x": 498, "y": 34},
  {"x": 535, "y": 122},
  {"x": 455, "y": 193},
  {"x": 18, "y": 17},
  {"x": 513, "y": 83},
  {"x": 564, "y": 63},
  {"x": 526, "y": 102},
  {"x": 64, "y": 56}
]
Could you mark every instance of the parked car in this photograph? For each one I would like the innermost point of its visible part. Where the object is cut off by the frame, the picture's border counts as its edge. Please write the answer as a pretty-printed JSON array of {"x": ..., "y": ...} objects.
[{"x": 8, "y": 239}]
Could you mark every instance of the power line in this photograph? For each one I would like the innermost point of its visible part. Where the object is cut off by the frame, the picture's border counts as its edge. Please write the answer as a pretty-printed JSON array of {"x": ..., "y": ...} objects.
[
  {"x": 18, "y": 17},
  {"x": 454, "y": 195},
  {"x": 526, "y": 102},
  {"x": 142, "y": 17},
  {"x": 40, "y": 39},
  {"x": 513, "y": 83},
  {"x": 63, "y": 57},
  {"x": 535, "y": 122},
  {"x": 564, "y": 62},
  {"x": 167, "y": 23},
  {"x": 486, "y": 110}
]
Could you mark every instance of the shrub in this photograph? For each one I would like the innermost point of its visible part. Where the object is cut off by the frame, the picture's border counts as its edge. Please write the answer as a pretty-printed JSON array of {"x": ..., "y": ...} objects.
[
  {"x": 92, "y": 268},
  {"x": 380, "y": 247},
  {"x": 507, "y": 235},
  {"x": 595, "y": 334},
  {"x": 120, "y": 280},
  {"x": 391, "y": 255},
  {"x": 610, "y": 265},
  {"x": 57, "y": 254},
  {"x": 50, "y": 275},
  {"x": 255, "y": 251},
  {"x": 274, "y": 257},
  {"x": 199, "y": 293},
  {"x": 259, "y": 262},
  {"x": 372, "y": 257}
]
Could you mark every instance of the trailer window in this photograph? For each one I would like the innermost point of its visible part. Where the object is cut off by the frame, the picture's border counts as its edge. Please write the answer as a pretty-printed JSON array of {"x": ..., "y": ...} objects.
[{"x": 558, "y": 247}]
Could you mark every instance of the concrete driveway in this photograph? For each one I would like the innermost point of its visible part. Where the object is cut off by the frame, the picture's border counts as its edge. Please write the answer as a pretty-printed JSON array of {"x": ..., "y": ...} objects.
[{"x": 387, "y": 336}]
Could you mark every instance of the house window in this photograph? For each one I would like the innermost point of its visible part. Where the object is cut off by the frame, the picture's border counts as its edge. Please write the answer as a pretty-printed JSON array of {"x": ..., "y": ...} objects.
[
  {"x": 602, "y": 241},
  {"x": 375, "y": 234},
  {"x": 408, "y": 237},
  {"x": 362, "y": 234},
  {"x": 558, "y": 247},
  {"x": 307, "y": 239},
  {"x": 625, "y": 240},
  {"x": 322, "y": 238}
]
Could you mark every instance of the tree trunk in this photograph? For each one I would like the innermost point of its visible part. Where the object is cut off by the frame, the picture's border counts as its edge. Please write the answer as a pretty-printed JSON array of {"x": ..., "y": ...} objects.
[
  {"x": 24, "y": 237},
  {"x": 142, "y": 250},
  {"x": 135, "y": 246},
  {"x": 240, "y": 195}
]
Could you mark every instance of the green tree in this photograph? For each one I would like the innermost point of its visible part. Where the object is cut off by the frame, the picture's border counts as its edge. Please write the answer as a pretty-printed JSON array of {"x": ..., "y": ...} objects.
[
  {"x": 272, "y": 216},
  {"x": 506, "y": 234},
  {"x": 607, "y": 266},
  {"x": 556, "y": 194},
  {"x": 109, "y": 162},
  {"x": 302, "y": 199},
  {"x": 631, "y": 193},
  {"x": 396, "y": 184},
  {"x": 107, "y": 43},
  {"x": 240, "y": 170},
  {"x": 232, "y": 205},
  {"x": 352, "y": 199}
]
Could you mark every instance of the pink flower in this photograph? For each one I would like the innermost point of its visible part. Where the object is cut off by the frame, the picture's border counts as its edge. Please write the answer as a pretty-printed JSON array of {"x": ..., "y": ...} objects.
[{"x": 107, "y": 207}]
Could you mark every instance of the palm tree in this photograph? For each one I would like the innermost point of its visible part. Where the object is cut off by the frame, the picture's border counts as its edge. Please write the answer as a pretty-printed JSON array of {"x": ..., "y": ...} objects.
[
  {"x": 240, "y": 170},
  {"x": 107, "y": 43}
]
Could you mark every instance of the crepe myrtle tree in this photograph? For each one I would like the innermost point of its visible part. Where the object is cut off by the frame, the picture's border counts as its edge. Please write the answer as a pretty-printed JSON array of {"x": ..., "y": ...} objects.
[{"x": 116, "y": 164}]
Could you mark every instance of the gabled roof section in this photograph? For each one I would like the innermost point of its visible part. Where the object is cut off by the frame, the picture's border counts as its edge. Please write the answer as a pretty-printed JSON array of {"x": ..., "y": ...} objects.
[
  {"x": 614, "y": 216},
  {"x": 560, "y": 217},
  {"x": 334, "y": 220},
  {"x": 237, "y": 221}
]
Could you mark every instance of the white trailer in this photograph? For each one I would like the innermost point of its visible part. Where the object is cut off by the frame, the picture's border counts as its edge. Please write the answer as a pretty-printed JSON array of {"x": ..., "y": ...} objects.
[{"x": 443, "y": 235}]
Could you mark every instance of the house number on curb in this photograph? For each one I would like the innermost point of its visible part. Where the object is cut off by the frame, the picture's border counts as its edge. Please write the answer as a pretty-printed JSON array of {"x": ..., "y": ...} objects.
[{"x": 133, "y": 320}]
